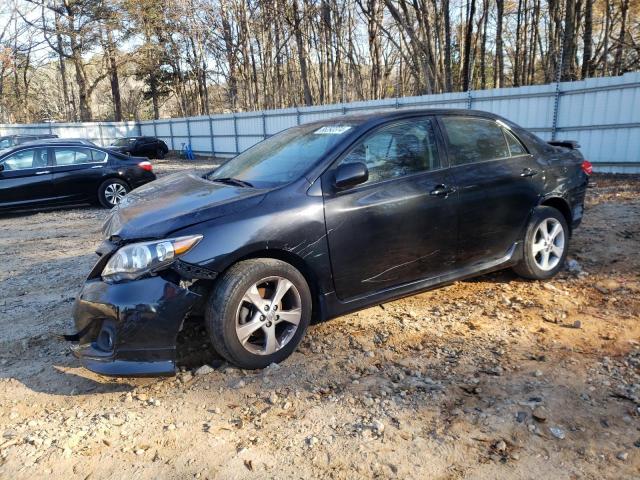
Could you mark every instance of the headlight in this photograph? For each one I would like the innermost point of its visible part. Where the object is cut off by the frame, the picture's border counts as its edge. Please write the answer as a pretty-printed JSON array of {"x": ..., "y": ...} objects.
[{"x": 136, "y": 259}]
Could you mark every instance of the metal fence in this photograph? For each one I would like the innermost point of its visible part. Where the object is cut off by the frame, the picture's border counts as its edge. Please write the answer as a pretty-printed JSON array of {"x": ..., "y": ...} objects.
[{"x": 602, "y": 114}]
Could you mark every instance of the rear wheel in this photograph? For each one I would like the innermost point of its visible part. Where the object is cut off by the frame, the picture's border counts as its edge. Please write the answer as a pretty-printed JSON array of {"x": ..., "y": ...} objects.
[
  {"x": 112, "y": 191},
  {"x": 258, "y": 312},
  {"x": 545, "y": 245},
  {"x": 160, "y": 153}
]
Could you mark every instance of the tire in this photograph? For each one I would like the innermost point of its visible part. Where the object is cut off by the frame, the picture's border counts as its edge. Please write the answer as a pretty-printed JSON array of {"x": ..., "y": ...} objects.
[
  {"x": 160, "y": 154},
  {"x": 233, "y": 304},
  {"x": 110, "y": 192},
  {"x": 537, "y": 248}
]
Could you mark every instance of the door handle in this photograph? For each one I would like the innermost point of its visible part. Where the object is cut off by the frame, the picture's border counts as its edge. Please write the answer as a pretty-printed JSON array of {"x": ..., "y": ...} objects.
[
  {"x": 42, "y": 172},
  {"x": 441, "y": 191},
  {"x": 528, "y": 172}
]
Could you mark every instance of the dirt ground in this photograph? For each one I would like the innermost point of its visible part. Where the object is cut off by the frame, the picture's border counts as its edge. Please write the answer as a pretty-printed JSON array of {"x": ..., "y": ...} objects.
[{"x": 495, "y": 377}]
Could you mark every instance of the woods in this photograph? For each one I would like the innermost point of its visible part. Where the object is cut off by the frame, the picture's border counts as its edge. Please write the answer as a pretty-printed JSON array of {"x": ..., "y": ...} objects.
[{"x": 84, "y": 60}]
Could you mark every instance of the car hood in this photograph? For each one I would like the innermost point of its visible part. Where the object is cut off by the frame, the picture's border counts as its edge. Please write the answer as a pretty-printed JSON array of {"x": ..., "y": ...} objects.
[{"x": 174, "y": 202}]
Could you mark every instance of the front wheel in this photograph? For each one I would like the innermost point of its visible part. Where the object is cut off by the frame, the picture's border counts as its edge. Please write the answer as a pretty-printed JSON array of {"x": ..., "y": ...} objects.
[
  {"x": 258, "y": 312},
  {"x": 545, "y": 245},
  {"x": 160, "y": 153},
  {"x": 112, "y": 191}
]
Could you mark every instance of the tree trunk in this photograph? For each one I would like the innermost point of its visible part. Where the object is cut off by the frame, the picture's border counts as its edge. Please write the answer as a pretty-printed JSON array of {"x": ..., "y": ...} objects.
[
  {"x": 617, "y": 64},
  {"x": 483, "y": 45},
  {"x": 566, "y": 68},
  {"x": 302, "y": 53},
  {"x": 81, "y": 77},
  {"x": 516, "y": 60},
  {"x": 448, "y": 79},
  {"x": 63, "y": 71},
  {"x": 466, "y": 74},
  {"x": 114, "y": 81},
  {"x": 232, "y": 80},
  {"x": 498, "y": 71}
]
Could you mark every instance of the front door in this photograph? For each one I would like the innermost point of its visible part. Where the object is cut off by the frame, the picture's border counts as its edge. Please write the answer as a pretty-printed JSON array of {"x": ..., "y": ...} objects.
[
  {"x": 25, "y": 178},
  {"x": 400, "y": 225}
]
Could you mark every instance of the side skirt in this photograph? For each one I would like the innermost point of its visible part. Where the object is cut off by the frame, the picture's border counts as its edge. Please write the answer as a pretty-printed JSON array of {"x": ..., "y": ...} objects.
[{"x": 334, "y": 307}]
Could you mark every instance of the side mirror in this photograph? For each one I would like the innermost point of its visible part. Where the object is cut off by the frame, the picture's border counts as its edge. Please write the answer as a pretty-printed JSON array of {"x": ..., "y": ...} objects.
[
  {"x": 1, "y": 167},
  {"x": 350, "y": 174}
]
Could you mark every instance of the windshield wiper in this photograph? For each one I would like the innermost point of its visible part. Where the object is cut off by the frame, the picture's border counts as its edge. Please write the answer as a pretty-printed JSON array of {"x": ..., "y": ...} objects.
[{"x": 233, "y": 181}]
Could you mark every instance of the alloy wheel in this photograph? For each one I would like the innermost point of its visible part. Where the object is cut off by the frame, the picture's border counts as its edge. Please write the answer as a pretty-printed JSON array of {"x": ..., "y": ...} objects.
[
  {"x": 114, "y": 193},
  {"x": 268, "y": 315},
  {"x": 548, "y": 244}
]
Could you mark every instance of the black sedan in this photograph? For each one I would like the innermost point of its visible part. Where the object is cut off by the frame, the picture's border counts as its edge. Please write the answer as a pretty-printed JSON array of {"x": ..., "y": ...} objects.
[
  {"x": 41, "y": 175},
  {"x": 318, "y": 221},
  {"x": 151, "y": 147}
]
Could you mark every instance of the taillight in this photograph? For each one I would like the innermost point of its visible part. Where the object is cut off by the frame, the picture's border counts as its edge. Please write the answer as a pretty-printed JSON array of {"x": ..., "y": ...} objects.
[
  {"x": 148, "y": 167},
  {"x": 587, "y": 167}
]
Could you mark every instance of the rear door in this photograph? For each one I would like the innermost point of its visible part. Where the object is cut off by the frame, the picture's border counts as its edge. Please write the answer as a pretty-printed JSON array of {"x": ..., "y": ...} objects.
[
  {"x": 399, "y": 226},
  {"x": 26, "y": 178},
  {"x": 77, "y": 172},
  {"x": 498, "y": 185}
]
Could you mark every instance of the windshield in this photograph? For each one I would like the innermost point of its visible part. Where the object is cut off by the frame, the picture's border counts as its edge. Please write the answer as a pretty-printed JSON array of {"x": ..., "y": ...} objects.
[
  {"x": 124, "y": 142},
  {"x": 284, "y": 157}
]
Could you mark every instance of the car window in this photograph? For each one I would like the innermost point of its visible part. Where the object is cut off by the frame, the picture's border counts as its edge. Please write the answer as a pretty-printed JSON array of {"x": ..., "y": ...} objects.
[
  {"x": 124, "y": 142},
  {"x": 285, "y": 156},
  {"x": 25, "y": 159},
  {"x": 98, "y": 156},
  {"x": 472, "y": 140},
  {"x": 400, "y": 149},
  {"x": 72, "y": 156},
  {"x": 515, "y": 147},
  {"x": 6, "y": 143}
]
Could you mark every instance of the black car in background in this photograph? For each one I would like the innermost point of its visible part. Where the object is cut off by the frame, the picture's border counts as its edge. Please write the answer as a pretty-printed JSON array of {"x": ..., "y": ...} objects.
[
  {"x": 9, "y": 141},
  {"x": 318, "y": 221},
  {"x": 41, "y": 175},
  {"x": 142, "y": 146}
]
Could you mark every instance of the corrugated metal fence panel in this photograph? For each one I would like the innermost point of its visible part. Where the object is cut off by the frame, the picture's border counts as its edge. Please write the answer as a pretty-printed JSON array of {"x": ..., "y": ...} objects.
[
  {"x": 603, "y": 114},
  {"x": 531, "y": 107}
]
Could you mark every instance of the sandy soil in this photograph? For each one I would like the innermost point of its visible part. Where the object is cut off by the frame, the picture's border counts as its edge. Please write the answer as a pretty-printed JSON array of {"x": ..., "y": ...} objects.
[{"x": 495, "y": 377}]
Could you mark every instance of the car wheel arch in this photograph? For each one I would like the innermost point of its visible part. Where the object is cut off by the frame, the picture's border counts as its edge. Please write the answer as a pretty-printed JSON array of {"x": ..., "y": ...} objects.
[
  {"x": 318, "y": 310},
  {"x": 560, "y": 204}
]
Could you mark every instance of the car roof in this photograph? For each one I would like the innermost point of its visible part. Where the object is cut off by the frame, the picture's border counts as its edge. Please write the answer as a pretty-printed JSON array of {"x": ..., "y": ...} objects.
[
  {"x": 19, "y": 135},
  {"x": 392, "y": 113},
  {"x": 58, "y": 141},
  {"x": 49, "y": 143}
]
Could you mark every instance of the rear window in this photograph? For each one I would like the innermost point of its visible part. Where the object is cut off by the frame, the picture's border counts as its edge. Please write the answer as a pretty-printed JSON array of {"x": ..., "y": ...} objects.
[
  {"x": 77, "y": 156},
  {"x": 515, "y": 147},
  {"x": 98, "y": 156}
]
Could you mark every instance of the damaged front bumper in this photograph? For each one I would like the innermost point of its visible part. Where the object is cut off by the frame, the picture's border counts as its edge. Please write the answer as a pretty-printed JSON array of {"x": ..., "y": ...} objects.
[{"x": 130, "y": 329}]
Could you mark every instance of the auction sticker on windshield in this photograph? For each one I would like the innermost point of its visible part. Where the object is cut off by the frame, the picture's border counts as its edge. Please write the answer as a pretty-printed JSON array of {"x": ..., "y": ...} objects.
[{"x": 332, "y": 130}]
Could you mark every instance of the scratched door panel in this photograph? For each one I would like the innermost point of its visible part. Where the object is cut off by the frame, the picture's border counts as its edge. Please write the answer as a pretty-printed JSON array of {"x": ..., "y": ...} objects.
[{"x": 391, "y": 233}]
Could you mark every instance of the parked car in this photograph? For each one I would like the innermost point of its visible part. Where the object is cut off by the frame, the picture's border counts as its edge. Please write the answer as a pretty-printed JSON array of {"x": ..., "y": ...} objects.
[
  {"x": 81, "y": 141},
  {"x": 146, "y": 146},
  {"x": 9, "y": 141},
  {"x": 318, "y": 221},
  {"x": 39, "y": 175}
]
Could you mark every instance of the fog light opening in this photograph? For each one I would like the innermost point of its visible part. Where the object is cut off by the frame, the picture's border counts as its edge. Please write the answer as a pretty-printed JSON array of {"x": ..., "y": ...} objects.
[{"x": 105, "y": 339}]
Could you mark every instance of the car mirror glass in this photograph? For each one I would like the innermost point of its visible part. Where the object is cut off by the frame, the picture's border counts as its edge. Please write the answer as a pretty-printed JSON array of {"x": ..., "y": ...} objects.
[{"x": 351, "y": 174}]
